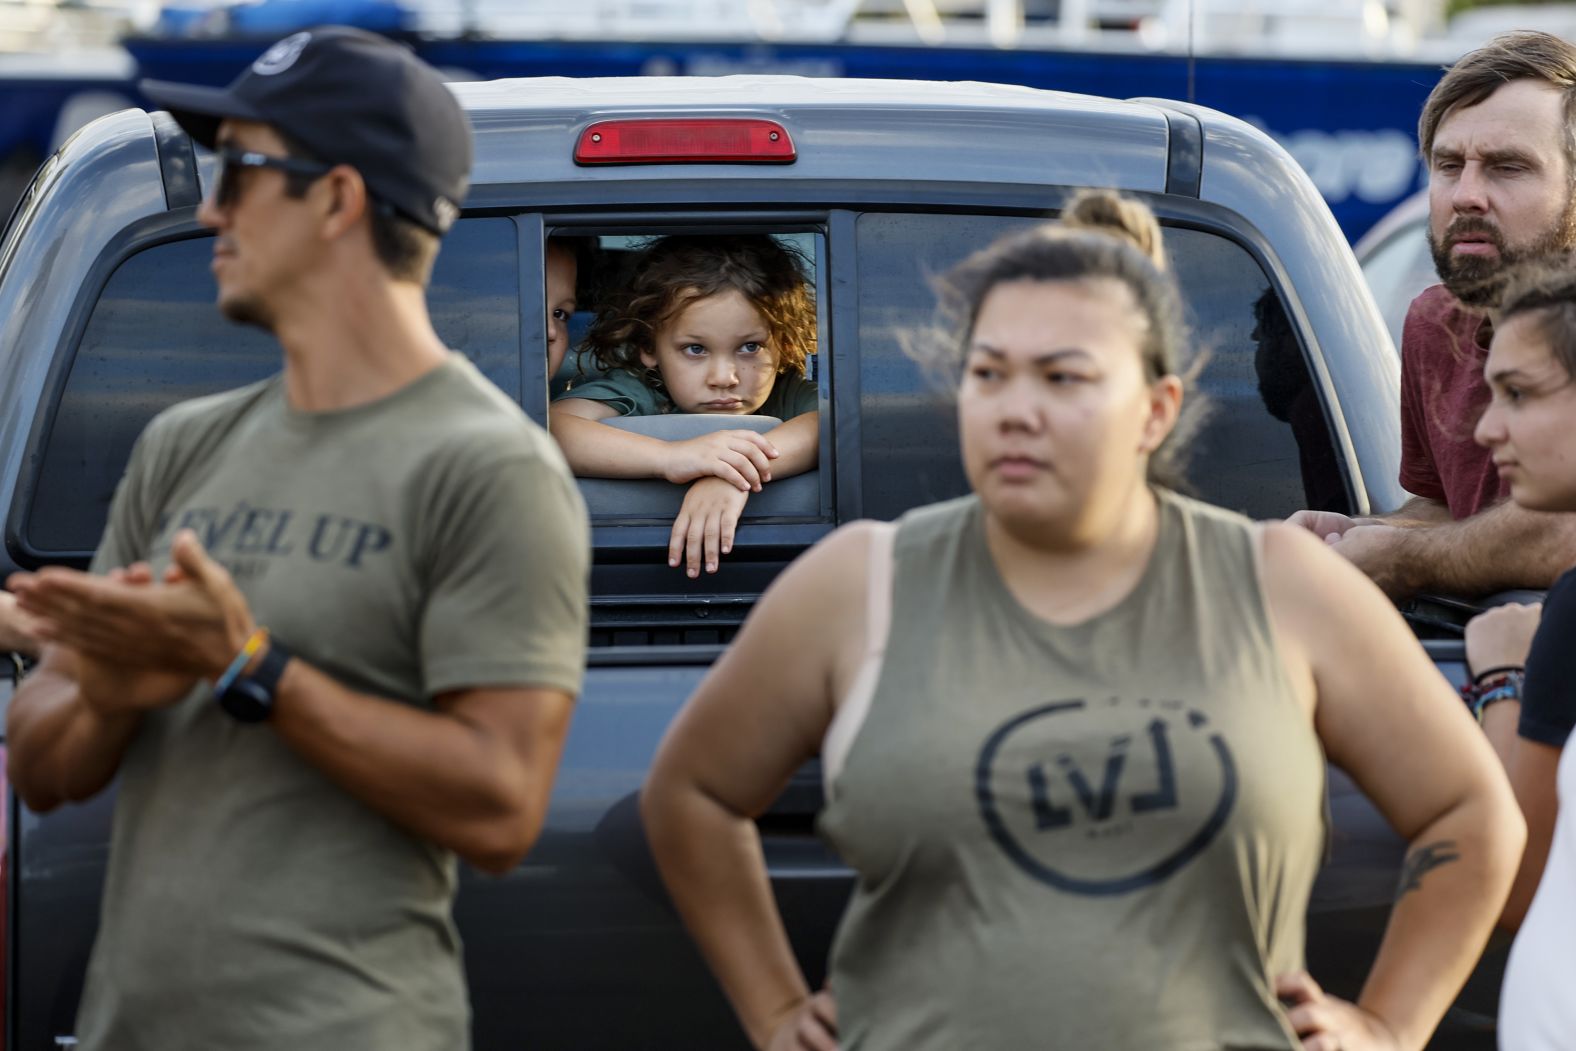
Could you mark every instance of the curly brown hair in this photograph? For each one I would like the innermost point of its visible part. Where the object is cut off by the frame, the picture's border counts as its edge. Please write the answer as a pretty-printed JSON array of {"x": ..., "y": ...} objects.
[{"x": 672, "y": 272}]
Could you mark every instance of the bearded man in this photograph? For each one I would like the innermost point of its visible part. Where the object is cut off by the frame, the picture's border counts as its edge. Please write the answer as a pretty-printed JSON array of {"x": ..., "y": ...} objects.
[{"x": 1498, "y": 134}]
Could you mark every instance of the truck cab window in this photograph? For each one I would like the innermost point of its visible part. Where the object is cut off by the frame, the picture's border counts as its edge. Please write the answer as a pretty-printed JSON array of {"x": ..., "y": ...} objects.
[
  {"x": 129, "y": 366},
  {"x": 1245, "y": 456},
  {"x": 682, "y": 337}
]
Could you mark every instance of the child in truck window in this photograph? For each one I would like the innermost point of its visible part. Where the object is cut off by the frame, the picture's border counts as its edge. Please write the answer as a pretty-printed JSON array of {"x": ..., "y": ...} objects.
[{"x": 714, "y": 324}]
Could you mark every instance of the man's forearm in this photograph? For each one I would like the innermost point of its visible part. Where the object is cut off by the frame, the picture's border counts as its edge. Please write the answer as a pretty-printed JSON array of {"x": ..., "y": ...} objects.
[
  {"x": 59, "y": 749},
  {"x": 1502, "y": 548},
  {"x": 1419, "y": 510},
  {"x": 438, "y": 776}
]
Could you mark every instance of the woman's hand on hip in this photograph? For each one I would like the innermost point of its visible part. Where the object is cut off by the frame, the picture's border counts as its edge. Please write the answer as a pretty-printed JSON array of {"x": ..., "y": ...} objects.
[
  {"x": 812, "y": 1026},
  {"x": 1328, "y": 1023}
]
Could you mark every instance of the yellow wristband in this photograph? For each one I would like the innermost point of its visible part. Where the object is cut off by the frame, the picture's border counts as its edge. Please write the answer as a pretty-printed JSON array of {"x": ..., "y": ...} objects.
[{"x": 242, "y": 659}]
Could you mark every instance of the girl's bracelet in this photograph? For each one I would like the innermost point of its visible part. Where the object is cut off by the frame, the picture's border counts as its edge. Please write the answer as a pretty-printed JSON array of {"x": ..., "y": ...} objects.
[
  {"x": 1503, "y": 669},
  {"x": 1493, "y": 685}
]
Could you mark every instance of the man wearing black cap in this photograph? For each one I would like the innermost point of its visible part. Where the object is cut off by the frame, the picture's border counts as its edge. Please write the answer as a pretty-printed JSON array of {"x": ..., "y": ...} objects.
[{"x": 337, "y": 618}]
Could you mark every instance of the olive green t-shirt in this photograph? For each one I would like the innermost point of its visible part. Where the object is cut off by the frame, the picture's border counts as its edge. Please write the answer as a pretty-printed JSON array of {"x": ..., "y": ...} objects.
[
  {"x": 430, "y": 541},
  {"x": 631, "y": 396}
]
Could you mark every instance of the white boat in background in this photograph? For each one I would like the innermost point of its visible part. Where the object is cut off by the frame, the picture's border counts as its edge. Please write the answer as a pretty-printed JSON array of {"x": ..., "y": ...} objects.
[{"x": 1330, "y": 28}]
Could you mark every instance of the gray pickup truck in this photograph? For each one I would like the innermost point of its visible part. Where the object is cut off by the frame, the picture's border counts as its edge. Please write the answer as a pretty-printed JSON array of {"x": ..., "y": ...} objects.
[{"x": 106, "y": 317}]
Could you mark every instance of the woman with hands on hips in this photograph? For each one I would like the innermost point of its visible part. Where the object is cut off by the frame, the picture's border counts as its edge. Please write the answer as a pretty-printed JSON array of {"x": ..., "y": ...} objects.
[{"x": 1073, "y": 726}]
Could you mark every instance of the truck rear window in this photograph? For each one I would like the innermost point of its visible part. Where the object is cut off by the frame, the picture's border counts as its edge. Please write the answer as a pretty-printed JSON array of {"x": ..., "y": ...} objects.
[
  {"x": 609, "y": 289},
  {"x": 1264, "y": 449}
]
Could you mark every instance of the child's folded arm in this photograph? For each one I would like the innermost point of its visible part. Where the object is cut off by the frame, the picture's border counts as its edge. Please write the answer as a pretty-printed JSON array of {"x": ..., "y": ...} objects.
[
  {"x": 798, "y": 445},
  {"x": 598, "y": 451},
  {"x": 742, "y": 458}
]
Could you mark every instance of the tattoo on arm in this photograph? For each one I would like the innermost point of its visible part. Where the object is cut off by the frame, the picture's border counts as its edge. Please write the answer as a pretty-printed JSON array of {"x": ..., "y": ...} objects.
[{"x": 1424, "y": 860}]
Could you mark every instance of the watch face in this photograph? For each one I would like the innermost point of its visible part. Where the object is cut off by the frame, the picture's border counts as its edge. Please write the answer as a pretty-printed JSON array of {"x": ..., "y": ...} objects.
[{"x": 247, "y": 701}]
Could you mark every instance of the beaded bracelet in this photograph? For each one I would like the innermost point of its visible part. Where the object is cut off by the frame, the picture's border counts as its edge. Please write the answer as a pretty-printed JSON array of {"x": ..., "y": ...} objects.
[{"x": 1495, "y": 684}]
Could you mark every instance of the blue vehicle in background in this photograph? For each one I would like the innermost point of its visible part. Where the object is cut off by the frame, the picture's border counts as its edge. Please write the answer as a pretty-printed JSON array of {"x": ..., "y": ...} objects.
[
  {"x": 275, "y": 18},
  {"x": 46, "y": 98},
  {"x": 1350, "y": 123}
]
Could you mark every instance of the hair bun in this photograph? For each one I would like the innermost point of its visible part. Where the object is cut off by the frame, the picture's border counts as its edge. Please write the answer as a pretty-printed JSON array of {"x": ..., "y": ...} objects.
[{"x": 1107, "y": 212}]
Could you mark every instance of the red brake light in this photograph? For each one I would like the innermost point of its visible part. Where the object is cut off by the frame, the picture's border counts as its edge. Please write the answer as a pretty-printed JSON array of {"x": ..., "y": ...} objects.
[{"x": 707, "y": 140}]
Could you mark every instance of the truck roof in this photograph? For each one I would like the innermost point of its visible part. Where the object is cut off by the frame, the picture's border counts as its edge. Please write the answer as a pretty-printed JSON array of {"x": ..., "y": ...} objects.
[
  {"x": 860, "y": 130},
  {"x": 752, "y": 90}
]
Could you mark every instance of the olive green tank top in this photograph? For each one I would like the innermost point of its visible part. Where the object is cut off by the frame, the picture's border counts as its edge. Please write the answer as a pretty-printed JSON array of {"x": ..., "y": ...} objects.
[{"x": 1101, "y": 835}]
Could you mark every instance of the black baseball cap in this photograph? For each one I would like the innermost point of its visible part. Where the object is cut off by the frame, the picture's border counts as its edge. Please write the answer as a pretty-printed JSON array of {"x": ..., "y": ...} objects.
[{"x": 349, "y": 97}]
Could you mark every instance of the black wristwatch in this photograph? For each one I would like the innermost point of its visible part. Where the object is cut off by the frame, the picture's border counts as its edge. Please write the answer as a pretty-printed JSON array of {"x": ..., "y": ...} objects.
[{"x": 250, "y": 698}]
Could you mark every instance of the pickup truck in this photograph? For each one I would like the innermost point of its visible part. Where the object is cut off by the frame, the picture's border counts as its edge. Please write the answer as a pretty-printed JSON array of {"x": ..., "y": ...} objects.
[{"x": 106, "y": 317}]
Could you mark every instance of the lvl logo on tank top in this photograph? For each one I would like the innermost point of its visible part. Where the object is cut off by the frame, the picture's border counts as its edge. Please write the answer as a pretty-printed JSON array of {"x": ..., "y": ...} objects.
[{"x": 1105, "y": 796}]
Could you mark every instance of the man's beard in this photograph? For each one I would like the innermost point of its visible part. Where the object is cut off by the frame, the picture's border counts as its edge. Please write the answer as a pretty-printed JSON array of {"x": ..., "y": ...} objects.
[{"x": 1479, "y": 281}]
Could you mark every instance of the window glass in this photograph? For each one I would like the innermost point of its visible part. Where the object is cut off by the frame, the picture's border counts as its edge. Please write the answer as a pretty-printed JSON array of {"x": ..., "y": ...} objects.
[
  {"x": 474, "y": 298},
  {"x": 1264, "y": 448},
  {"x": 154, "y": 338},
  {"x": 907, "y": 425}
]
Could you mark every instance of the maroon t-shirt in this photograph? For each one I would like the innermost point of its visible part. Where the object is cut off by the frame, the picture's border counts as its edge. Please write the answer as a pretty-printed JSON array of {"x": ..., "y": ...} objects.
[{"x": 1443, "y": 348}]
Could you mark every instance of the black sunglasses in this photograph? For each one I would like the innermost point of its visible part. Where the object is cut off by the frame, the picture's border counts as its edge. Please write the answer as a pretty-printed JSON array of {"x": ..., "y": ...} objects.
[{"x": 227, "y": 188}]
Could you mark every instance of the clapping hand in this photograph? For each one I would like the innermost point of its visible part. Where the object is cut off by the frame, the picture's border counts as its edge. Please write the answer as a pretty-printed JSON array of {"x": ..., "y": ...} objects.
[{"x": 193, "y": 622}]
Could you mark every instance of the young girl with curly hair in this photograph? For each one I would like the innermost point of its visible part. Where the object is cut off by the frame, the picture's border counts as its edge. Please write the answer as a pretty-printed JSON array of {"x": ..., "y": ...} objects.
[{"x": 707, "y": 324}]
